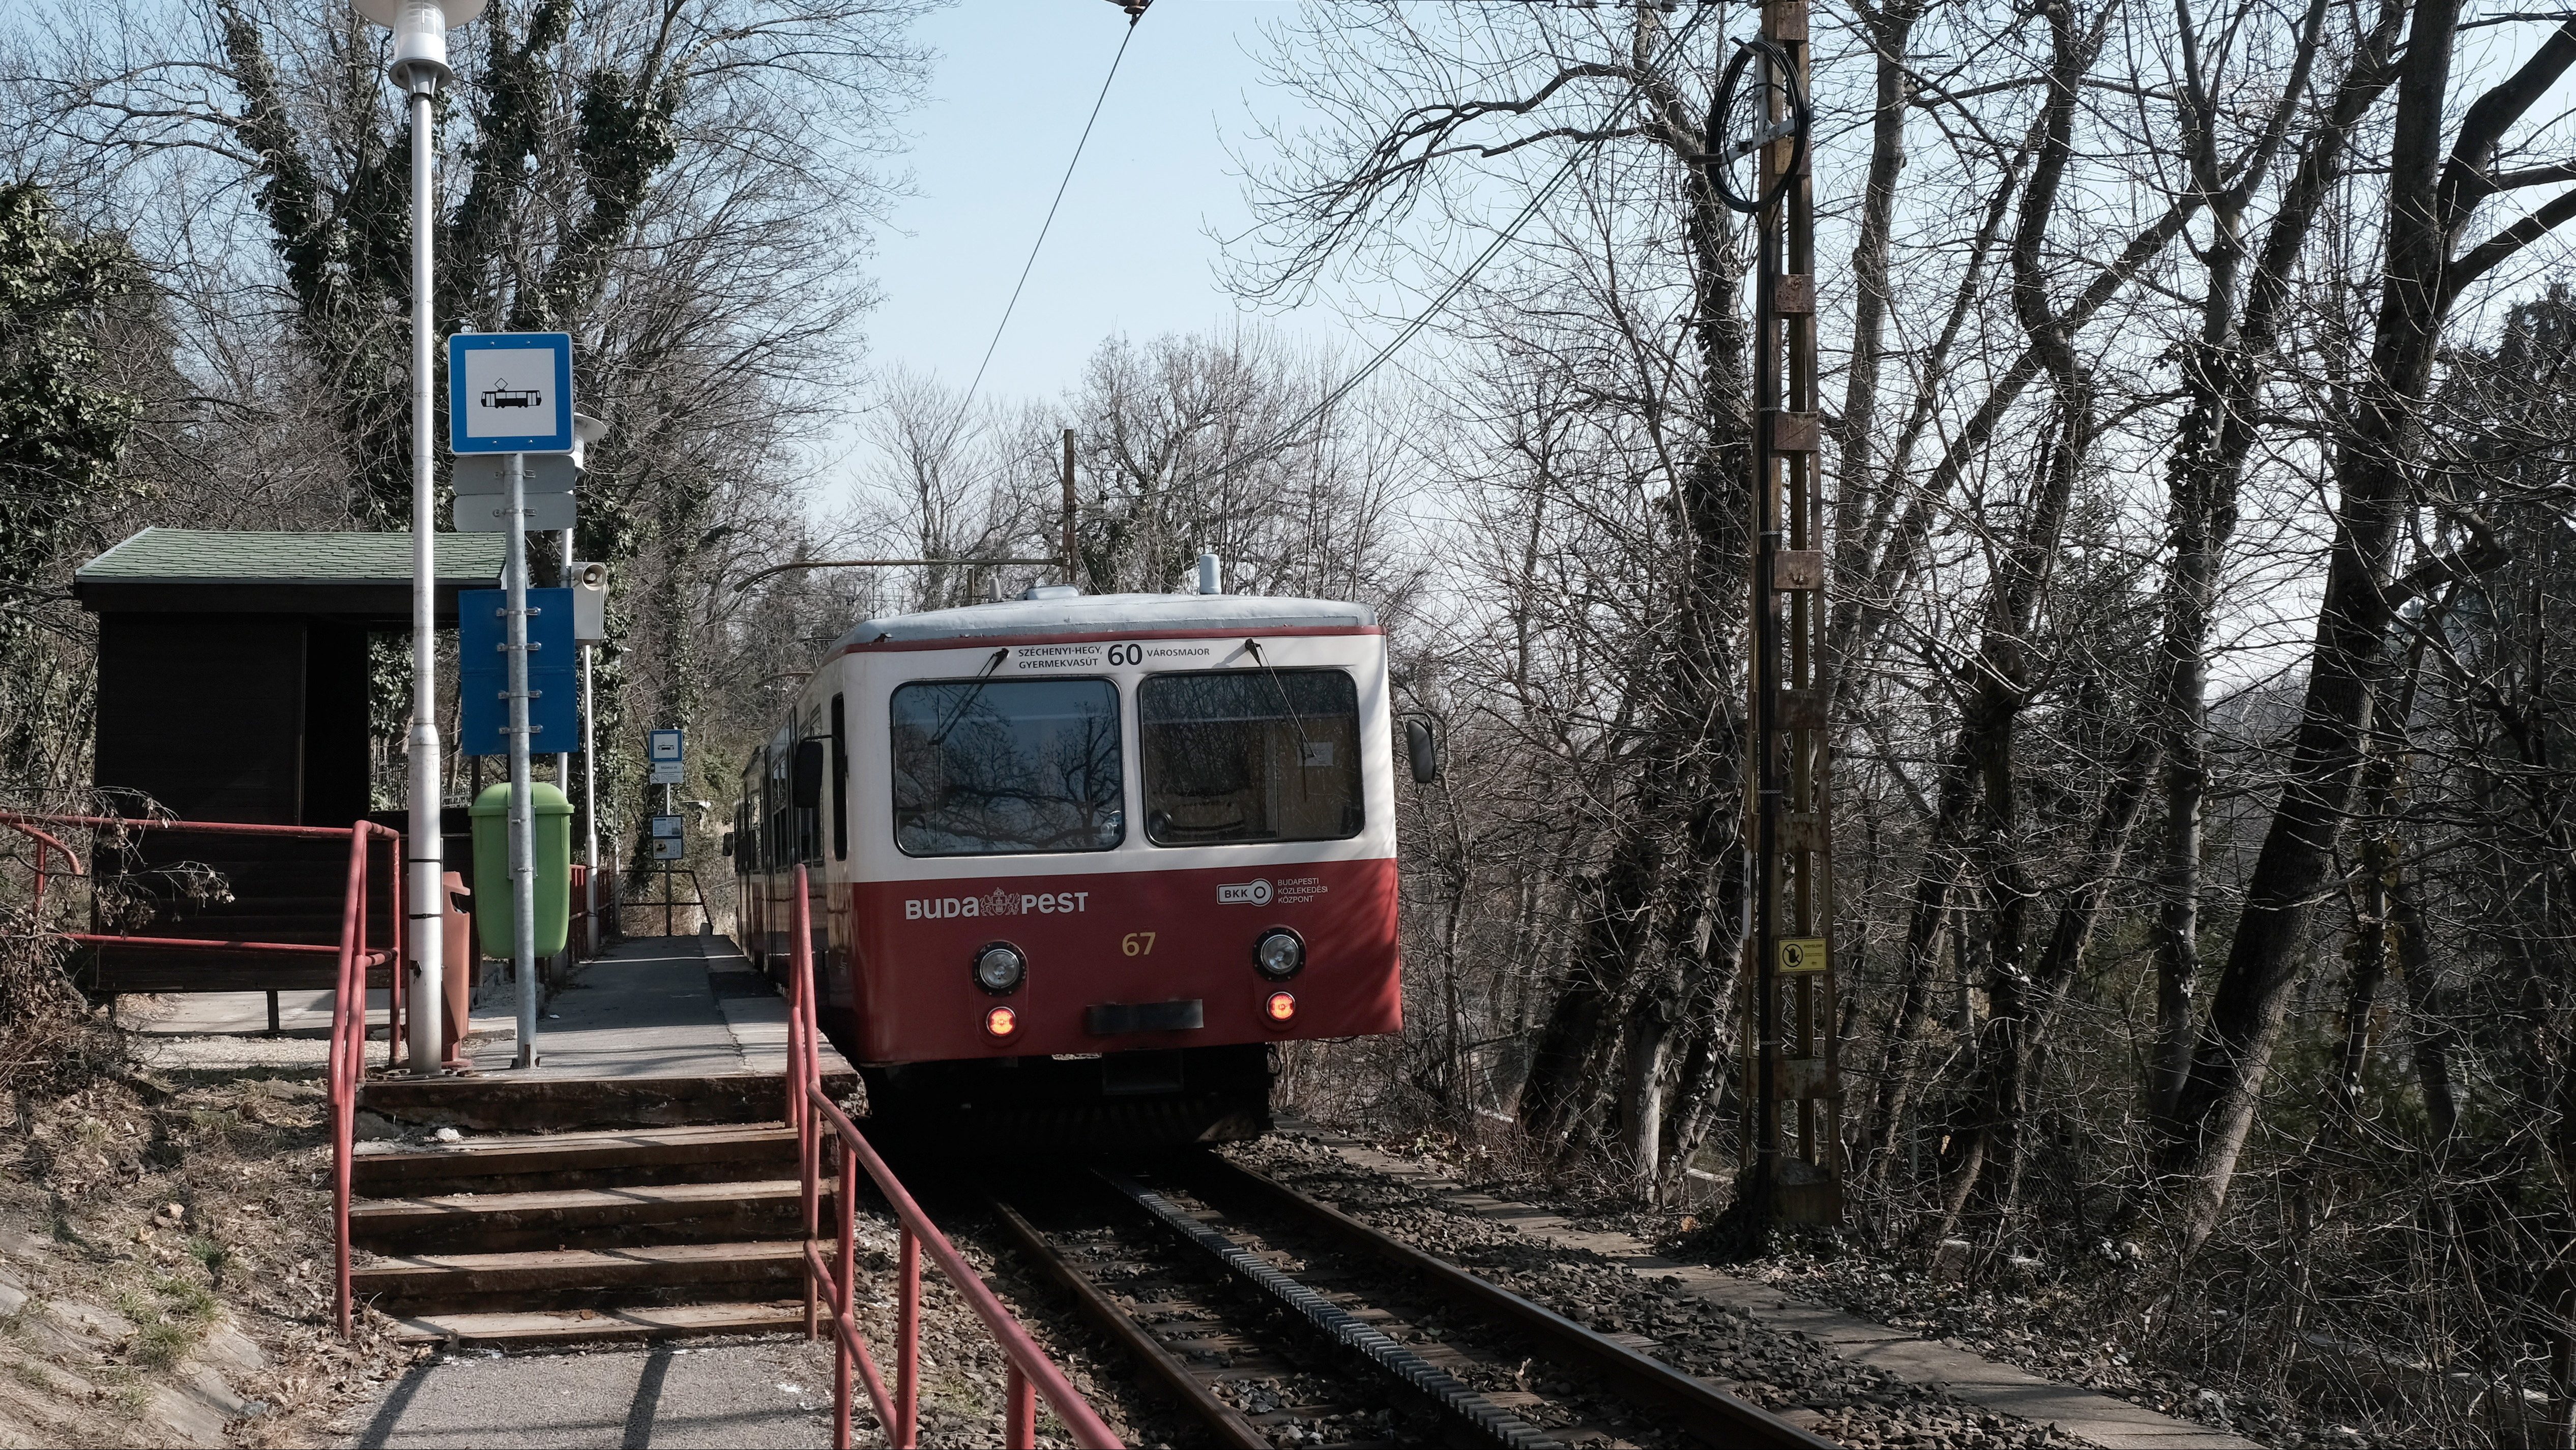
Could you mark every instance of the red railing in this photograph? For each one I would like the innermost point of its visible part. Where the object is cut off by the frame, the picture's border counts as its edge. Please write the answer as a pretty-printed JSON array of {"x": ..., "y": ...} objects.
[
  {"x": 349, "y": 986},
  {"x": 349, "y": 1035},
  {"x": 815, "y": 1117}
]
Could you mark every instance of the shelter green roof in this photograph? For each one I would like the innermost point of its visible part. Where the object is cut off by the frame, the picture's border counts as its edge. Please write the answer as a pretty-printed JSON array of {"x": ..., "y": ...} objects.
[
  {"x": 364, "y": 578},
  {"x": 274, "y": 556}
]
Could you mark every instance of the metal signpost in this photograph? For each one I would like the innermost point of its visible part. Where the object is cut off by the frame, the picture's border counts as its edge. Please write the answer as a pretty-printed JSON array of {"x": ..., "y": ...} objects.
[
  {"x": 510, "y": 393},
  {"x": 1792, "y": 1061},
  {"x": 667, "y": 752},
  {"x": 419, "y": 66},
  {"x": 590, "y": 629}
]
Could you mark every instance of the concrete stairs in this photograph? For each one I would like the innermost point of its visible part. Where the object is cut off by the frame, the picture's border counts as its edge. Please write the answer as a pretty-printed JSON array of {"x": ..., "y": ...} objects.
[{"x": 601, "y": 1236}]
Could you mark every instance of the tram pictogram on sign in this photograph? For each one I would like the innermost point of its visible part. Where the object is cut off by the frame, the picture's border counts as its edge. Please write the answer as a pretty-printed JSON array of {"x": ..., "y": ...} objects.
[{"x": 509, "y": 392}]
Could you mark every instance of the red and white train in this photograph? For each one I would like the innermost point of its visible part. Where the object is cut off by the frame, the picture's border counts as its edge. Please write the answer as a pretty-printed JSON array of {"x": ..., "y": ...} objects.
[{"x": 1079, "y": 863}]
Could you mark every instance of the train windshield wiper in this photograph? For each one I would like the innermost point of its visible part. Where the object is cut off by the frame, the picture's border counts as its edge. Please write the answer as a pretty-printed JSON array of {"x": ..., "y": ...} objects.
[
  {"x": 1305, "y": 742},
  {"x": 974, "y": 689}
]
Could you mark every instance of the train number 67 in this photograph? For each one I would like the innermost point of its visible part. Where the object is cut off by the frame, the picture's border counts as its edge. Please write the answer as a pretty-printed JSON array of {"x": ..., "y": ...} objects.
[{"x": 1137, "y": 943}]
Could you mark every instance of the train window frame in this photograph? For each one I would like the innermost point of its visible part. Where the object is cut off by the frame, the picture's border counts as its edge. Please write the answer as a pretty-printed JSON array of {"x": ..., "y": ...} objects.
[
  {"x": 1117, "y": 796},
  {"x": 806, "y": 821},
  {"x": 1357, "y": 804},
  {"x": 840, "y": 780},
  {"x": 778, "y": 809}
]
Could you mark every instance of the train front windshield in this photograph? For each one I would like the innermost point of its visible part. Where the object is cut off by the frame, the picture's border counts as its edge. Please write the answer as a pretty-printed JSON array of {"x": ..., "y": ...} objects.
[
  {"x": 1244, "y": 755},
  {"x": 998, "y": 767}
]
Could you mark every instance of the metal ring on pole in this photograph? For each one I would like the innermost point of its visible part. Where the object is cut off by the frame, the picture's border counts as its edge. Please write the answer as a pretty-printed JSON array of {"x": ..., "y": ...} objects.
[{"x": 1776, "y": 62}]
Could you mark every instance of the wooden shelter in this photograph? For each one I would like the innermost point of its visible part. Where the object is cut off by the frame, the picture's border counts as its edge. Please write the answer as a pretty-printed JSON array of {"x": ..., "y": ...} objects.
[{"x": 233, "y": 685}]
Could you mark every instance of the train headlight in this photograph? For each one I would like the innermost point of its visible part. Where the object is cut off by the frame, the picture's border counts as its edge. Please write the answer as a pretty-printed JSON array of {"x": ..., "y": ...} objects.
[
  {"x": 999, "y": 969},
  {"x": 1280, "y": 954}
]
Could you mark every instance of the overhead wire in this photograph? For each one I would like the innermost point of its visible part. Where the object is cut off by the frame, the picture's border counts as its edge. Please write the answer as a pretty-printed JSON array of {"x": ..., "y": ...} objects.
[
  {"x": 1413, "y": 326},
  {"x": 1043, "y": 227}
]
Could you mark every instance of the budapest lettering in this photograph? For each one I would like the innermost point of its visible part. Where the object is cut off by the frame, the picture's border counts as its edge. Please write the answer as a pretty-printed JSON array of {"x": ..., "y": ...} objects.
[{"x": 998, "y": 902}]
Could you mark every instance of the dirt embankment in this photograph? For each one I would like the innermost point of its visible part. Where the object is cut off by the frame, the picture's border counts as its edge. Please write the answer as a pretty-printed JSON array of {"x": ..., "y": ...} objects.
[{"x": 166, "y": 1261}]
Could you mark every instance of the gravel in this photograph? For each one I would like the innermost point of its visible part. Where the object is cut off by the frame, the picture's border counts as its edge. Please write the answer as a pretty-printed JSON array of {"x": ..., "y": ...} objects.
[{"x": 1837, "y": 1398}]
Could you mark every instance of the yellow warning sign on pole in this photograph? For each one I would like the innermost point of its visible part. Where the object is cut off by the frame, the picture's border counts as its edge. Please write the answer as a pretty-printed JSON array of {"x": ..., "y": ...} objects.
[{"x": 1802, "y": 954}]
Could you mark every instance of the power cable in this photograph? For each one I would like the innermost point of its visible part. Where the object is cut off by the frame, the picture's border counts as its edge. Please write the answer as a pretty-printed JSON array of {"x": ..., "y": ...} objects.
[
  {"x": 1449, "y": 294},
  {"x": 1044, "y": 226}
]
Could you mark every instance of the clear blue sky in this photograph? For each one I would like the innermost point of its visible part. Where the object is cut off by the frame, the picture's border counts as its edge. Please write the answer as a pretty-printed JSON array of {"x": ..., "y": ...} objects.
[{"x": 1130, "y": 249}]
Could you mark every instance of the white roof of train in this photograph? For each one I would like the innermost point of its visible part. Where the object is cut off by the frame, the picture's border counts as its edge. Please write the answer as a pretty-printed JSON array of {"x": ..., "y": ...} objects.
[{"x": 1111, "y": 614}]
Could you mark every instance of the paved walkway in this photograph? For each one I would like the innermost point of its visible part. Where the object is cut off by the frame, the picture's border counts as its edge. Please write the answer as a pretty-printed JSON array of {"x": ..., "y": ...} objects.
[
  {"x": 677, "y": 1006},
  {"x": 644, "y": 1009},
  {"x": 775, "y": 1393},
  {"x": 2096, "y": 1419},
  {"x": 198, "y": 1014}
]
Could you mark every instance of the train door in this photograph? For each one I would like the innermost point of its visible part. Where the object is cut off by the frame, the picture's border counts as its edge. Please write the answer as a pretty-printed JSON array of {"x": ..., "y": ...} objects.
[
  {"x": 832, "y": 913},
  {"x": 747, "y": 885},
  {"x": 805, "y": 828},
  {"x": 777, "y": 847}
]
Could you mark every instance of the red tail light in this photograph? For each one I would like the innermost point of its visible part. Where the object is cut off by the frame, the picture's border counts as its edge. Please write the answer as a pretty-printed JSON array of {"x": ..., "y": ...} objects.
[
  {"x": 1001, "y": 1022},
  {"x": 1280, "y": 1005}
]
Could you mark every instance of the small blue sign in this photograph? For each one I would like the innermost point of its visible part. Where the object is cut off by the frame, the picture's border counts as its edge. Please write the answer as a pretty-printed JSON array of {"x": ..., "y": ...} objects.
[
  {"x": 483, "y": 672},
  {"x": 509, "y": 392}
]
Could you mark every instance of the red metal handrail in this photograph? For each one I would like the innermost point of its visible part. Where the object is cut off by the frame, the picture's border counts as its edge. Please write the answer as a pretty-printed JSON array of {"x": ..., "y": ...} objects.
[
  {"x": 356, "y": 959},
  {"x": 812, "y": 1113},
  {"x": 24, "y": 822},
  {"x": 44, "y": 841},
  {"x": 349, "y": 1037}
]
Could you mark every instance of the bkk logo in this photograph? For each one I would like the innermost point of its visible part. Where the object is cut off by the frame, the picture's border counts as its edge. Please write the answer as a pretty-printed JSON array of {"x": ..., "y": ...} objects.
[
  {"x": 1245, "y": 893},
  {"x": 998, "y": 902}
]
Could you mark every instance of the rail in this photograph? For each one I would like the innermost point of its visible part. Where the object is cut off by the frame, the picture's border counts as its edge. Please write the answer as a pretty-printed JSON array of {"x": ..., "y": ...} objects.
[
  {"x": 348, "y": 1063},
  {"x": 1707, "y": 1413},
  {"x": 815, "y": 1117}
]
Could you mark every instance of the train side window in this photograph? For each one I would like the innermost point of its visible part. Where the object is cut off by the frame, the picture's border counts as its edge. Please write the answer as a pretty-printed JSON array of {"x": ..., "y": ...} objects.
[
  {"x": 807, "y": 820},
  {"x": 778, "y": 850},
  {"x": 994, "y": 767},
  {"x": 1250, "y": 755},
  {"x": 840, "y": 784}
]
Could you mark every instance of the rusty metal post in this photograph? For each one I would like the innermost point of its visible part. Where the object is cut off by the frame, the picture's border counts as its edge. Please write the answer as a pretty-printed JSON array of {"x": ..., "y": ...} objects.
[
  {"x": 845, "y": 1280},
  {"x": 1072, "y": 538},
  {"x": 1021, "y": 1433},
  {"x": 1794, "y": 1168},
  {"x": 907, "y": 1342}
]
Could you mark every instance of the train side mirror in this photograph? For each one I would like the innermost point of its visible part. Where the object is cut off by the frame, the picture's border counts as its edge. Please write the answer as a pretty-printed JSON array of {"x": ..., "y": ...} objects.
[
  {"x": 1424, "y": 750},
  {"x": 725, "y": 847},
  {"x": 805, "y": 788}
]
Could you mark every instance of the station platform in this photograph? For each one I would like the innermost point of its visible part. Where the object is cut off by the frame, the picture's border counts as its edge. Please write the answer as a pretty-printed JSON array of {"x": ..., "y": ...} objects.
[
  {"x": 658, "y": 1031},
  {"x": 672, "y": 1010}
]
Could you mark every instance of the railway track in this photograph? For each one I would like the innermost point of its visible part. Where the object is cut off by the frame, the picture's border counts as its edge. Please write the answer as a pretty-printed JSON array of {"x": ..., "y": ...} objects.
[{"x": 1276, "y": 1320}]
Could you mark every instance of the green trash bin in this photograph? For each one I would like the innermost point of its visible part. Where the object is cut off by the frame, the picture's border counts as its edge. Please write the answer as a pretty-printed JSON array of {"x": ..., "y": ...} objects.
[{"x": 551, "y": 821}]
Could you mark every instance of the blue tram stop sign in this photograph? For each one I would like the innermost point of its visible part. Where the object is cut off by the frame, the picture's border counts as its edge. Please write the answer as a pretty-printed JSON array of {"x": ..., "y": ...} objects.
[{"x": 509, "y": 392}]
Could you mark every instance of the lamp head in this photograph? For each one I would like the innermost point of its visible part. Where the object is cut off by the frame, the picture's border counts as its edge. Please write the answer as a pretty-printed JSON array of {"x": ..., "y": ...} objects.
[
  {"x": 420, "y": 36},
  {"x": 586, "y": 430}
]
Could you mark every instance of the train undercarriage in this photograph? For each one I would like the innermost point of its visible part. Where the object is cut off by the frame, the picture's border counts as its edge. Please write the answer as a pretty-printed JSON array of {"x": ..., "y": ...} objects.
[{"x": 1075, "y": 1104}]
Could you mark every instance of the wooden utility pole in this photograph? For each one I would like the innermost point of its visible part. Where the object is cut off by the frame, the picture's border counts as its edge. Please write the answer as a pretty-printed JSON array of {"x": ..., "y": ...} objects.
[
  {"x": 1793, "y": 1167},
  {"x": 1072, "y": 540}
]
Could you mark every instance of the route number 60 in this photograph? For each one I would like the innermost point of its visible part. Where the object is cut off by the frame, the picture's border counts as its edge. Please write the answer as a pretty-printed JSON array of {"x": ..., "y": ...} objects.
[{"x": 1127, "y": 654}]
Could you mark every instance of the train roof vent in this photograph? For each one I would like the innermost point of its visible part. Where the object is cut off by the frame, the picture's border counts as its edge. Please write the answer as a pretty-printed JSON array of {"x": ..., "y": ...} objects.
[{"x": 1051, "y": 591}]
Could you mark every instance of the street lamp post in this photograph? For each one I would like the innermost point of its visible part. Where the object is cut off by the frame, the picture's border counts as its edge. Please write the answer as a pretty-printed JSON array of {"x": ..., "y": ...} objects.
[{"x": 418, "y": 65}]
